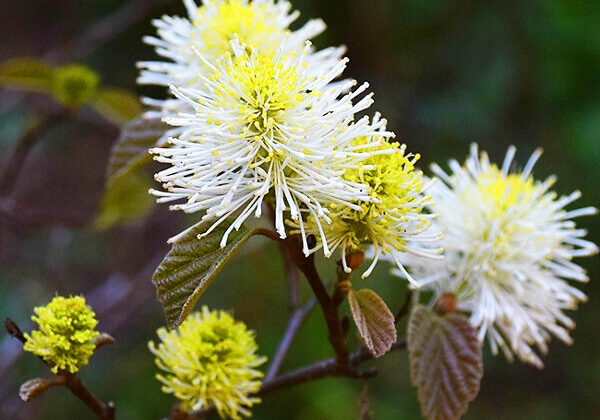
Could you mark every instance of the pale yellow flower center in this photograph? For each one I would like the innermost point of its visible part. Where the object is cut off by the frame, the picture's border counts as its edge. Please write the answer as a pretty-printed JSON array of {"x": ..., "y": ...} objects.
[
  {"x": 501, "y": 192},
  {"x": 251, "y": 23}
]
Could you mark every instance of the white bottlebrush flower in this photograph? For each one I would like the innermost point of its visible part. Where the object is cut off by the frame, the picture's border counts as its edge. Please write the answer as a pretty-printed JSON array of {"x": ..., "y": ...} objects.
[
  {"x": 509, "y": 244},
  {"x": 209, "y": 29},
  {"x": 264, "y": 125}
]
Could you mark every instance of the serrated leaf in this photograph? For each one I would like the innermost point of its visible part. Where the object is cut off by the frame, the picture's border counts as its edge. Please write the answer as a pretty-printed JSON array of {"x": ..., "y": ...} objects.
[
  {"x": 445, "y": 362},
  {"x": 191, "y": 265},
  {"x": 125, "y": 200},
  {"x": 27, "y": 73},
  {"x": 374, "y": 321},
  {"x": 118, "y": 105},
  {"x": 131, "y": 148},
  {"x": 35, "y": 387}
]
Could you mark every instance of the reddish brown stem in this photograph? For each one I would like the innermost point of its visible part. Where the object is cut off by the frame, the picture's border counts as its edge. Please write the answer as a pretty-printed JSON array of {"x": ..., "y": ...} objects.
[
  {"x": 322, "y": 369},
  {"x": 328, "y": 305},
  {"x": 405, "y": 306},
  {"x": 14, "y": 163},
  {"x": 72, "y": 382}
]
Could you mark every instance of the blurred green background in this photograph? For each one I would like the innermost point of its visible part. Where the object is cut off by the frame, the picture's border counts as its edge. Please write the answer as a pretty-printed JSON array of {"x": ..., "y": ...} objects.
[{"x": 445, "y": 74}]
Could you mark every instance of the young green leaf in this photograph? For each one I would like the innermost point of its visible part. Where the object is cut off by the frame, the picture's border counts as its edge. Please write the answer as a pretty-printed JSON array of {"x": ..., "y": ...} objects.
[
  {"x": 131, "y": 149},
  {"x": 27, "y": 74},
  {"x": 374, "y": 321},
  {"x": 74, "y": 85},
  {"x": 35, "y": 387},
  {"x": 126, "y": 200},
  {"x": 191, "y": 265},
  {"x": 445, "y": 362},
  {"x": 118, "y": 105}
]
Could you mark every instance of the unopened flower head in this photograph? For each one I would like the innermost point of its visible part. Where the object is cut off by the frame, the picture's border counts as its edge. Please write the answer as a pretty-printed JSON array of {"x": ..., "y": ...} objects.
[
  {"x": 265, "y": 126},
  {"x": 210, "y": 361},
  {"x": 394, "y": 213},
  {"x": 261, "y": 24},
  {"x": 509, "y": 247},
  {"x": 65, "y": 334},
  {"x": 73, "y": 84}
]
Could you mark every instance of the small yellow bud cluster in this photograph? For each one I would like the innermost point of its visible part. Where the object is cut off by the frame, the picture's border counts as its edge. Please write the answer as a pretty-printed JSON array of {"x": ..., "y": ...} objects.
[
  {"x": 210, "y": 361},
  {"x": 74, "y": 85},
  {"x": 66, "y": 331}
]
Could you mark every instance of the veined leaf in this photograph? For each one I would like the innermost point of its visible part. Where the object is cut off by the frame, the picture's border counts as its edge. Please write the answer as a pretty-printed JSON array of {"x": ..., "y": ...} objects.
[
  {"x": 445, "y": 362},
  {"x": 27, "y": 74},
  {"x": 191, "y": 265},
  {"x": 118, "y": 105},
  {"x": 131, "y": 149},
  {"x": 374, "y": 321}
]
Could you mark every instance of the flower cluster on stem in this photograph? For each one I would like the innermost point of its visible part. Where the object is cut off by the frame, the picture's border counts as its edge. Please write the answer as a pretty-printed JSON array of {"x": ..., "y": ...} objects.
[{"x": 509, "y": 244}]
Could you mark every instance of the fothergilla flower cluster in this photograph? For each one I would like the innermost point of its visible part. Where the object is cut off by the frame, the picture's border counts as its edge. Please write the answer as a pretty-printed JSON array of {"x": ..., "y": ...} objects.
[
  {"x": 259, "y": 116},
  {"x": 64, "y": 338},
  {"x": 210, "y": 361},
  {"x": 509, "y": 244}
]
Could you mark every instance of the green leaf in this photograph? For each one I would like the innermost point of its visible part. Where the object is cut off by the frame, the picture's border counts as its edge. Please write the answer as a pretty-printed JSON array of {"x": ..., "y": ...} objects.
[
  {"x": 27, "y": 74},
  {"x": 191, "y": 265},
  {"x": 118, "y": 105},
  {"x": 126, "y": 200},
  {"x": 35, "y": 387},
  {"x": 131, "y": 149},
  {"x": 445, "y": 362},
  {"x": 374, "y": 321}
]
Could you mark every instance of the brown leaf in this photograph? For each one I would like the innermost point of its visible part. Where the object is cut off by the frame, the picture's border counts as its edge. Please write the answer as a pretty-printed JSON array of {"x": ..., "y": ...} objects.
[
  {"x": 103, "y": 340},
  {"x": 374, "y": 321},
  {"x": 445, "y": 362},
  {"x": 35, "y": 387}
]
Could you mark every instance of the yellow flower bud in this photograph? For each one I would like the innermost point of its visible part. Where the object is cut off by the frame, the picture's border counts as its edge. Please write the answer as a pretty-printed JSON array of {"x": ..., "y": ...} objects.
[
  {"x": 210, "y": 361},
  {"x": 66, "y": 331}
]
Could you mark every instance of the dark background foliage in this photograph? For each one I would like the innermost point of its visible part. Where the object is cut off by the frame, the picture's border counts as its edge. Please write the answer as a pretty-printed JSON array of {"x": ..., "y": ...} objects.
[{"x": 445, "y": 73}]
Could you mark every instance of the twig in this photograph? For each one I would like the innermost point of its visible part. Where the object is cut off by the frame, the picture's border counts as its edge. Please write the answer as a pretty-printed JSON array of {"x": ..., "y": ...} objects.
[
  {"x": 268, "y": 233},
  {"x": 291, "y": 271},
  {"x": 363, "y": 354},
  {"x": 24, "y": 145},
  {"x": 405, "y": 306},
  {"x": 294, "y": 324},
  {"x": 103, "y": 411},
  {"x": 13, "y": 330},
  {"x": 72, "y": 382},
  {"x": 329, "y": 307},
  {"x": 363, "y": 404},
  {"x": 322, "y": 369},
  {"x": 292, "y": 274},
  {"x": 103, "y": 31},
  {"x": 336, "y": 334}
]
